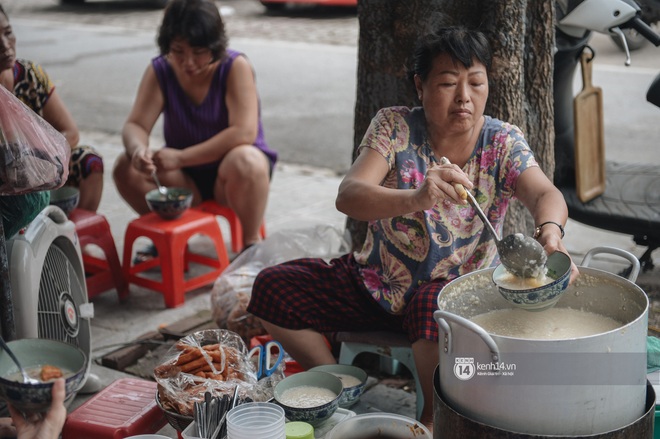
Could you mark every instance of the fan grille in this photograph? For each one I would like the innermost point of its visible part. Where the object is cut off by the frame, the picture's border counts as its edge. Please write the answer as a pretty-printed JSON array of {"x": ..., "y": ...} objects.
[{"x": 60, "y": 294}]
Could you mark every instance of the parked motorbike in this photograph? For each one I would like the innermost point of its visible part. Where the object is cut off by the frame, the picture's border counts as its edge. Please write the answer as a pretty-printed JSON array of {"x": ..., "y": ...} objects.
[
  {"x": 630, "y": 201},
  {"x": 650, "y": 14}
]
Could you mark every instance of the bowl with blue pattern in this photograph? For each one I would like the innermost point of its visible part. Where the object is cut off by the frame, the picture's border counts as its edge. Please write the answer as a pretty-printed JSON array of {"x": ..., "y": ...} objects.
[
  {"x": 35, "y": 354},
  {"x": 171, "y": 205},
  {"x": 526, "y": 294},
  {"x": 310, "y": 396},
  {"x": 353, "y": 378}
]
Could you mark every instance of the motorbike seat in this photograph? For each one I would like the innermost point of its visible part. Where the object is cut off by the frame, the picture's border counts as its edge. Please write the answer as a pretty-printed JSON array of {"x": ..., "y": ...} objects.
[{"x": 629, "y": 205}]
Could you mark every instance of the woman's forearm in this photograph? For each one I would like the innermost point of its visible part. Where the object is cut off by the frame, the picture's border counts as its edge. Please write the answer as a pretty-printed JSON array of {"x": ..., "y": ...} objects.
[
  {"x": 217, "y": 146},
  {"x": 366, "y": 202},
  {"x": 134, "y": 138}
]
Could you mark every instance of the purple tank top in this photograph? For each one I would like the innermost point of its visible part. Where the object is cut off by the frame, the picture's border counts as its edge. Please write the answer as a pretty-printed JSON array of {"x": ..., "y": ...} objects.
[{"x": 186, "y": 123}]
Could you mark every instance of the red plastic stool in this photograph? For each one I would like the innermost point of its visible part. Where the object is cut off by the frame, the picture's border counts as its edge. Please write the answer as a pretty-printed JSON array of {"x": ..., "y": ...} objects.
[
  {"x": 235, "y": 226},
  {"x": 170, "y": 238},
  {"x": 101, "y": 274},
  {"x": 127, "y": 407}
]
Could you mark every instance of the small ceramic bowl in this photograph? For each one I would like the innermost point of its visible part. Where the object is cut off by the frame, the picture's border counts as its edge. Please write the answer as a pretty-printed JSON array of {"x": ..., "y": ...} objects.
[
  {"x": 66, "y": 198},
  {"x": 351, "y": 393},
  {"x": 312, "y": 415},
  {"x": 33, "y": 353},
  {"x": 543, "y": 297},
  {"x": 172, "y": 205}
]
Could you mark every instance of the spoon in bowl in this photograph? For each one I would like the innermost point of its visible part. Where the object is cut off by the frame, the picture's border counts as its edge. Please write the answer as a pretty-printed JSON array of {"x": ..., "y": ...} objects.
[
  {"x": 522, "y": 255},
  {"x": 26, "y": 378},
  {"x": 162, "y": 189}
]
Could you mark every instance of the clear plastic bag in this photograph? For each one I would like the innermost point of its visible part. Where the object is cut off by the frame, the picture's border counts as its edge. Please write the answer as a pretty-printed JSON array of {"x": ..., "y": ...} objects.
[
  {"x": 215, "y": 361},
  {"x": 34, "y": 156},
  {"x": 232, "y": 290}
]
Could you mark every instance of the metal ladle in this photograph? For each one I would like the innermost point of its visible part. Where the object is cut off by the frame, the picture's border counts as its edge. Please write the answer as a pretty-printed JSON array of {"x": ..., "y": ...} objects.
[
  {"x": 26, "y": 378},
  {"x": 522, "y": 255}
]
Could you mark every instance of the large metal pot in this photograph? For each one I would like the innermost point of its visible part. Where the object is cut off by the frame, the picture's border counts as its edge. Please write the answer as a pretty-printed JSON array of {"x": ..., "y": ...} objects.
[
  {"x": 449, "y": 424},
  {"x": 575, "y": 386}
]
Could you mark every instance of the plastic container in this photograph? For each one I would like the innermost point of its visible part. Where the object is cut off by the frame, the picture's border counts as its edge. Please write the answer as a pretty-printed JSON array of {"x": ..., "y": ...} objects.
[
  {"x": 379, "y": 423},
  {"x": 299, "y": 430},
  {"x": 125, "y": 408},
  {"x": 190, "y": 432},
  {"x": 256, "y": 420}
]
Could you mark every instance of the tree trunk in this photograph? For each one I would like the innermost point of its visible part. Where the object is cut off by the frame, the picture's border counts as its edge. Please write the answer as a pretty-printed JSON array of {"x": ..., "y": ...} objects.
[{"x": 522, "y": 38}]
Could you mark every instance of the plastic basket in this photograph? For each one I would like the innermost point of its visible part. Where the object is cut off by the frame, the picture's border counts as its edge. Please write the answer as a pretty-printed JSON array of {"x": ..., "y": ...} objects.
[{"x": 178, "y": 421}]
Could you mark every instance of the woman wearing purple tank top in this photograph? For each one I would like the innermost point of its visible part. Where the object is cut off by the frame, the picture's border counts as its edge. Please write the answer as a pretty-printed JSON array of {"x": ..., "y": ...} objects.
[{"x": 214, "y": 140}]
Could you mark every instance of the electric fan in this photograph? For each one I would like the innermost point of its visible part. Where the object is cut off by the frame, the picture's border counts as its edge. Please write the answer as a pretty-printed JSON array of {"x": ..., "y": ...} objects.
[{"x": 47, "y": 277}]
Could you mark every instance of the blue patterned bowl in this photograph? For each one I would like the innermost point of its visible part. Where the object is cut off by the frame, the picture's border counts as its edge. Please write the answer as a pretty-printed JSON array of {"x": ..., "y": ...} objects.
[
  {"x": 351, "y": 394},
  {"x": 312, "y": 415},
  {"x": 66, "y": 198},
  {"x": 33, "y": 353},
  {"x": 543, "y": 297},
  {"x": 172, "y": 205}
]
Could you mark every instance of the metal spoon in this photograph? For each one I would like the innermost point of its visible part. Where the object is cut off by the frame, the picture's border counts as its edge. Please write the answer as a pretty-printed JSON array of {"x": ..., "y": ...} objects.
[
  {"x": 522, "y": 255},
  {"x": 26, "y": 378},
  {"x": 162, "y": 189}
]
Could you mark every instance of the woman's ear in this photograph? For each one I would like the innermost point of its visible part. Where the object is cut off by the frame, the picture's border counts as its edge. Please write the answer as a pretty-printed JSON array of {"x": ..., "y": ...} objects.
[{"x": 418, "y": 86}]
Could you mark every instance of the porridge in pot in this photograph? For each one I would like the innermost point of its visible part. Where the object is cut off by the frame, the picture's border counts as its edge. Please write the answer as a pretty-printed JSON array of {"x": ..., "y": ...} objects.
[{"x": 551, "y": 324}]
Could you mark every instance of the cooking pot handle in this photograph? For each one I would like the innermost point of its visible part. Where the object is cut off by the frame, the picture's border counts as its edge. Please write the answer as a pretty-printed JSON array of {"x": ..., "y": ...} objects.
[
  {"x": 443, "y": 316},
  {"x": 634, "y": 270}
]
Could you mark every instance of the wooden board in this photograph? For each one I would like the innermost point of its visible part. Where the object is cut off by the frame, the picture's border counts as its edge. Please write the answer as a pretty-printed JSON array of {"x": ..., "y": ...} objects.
[{"x": 589, "y": 136}]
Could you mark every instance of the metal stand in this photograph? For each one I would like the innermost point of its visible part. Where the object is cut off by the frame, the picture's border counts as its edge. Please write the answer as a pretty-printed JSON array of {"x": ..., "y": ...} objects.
[{"x": 7, "y": 326}]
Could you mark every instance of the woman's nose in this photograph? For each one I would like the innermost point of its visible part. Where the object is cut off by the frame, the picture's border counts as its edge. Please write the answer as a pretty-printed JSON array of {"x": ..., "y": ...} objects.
[{"x": 462, "y": 93}]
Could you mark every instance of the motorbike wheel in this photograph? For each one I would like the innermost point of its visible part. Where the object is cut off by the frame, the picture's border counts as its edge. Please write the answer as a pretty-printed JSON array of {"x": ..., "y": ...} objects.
[{"x": 635, "y": 40}]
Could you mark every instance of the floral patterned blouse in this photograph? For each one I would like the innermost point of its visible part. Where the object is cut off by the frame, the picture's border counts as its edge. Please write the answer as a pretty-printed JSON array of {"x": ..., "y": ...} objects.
[
  {"x": 32, "y": 85},
  {"x": 447, "y": 241}
]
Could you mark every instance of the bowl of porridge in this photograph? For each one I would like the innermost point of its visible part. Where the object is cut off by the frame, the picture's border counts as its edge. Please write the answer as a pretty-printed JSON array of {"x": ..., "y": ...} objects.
[
  {"x": 310, "y": 396},
  {"x": 536, "y": 293},
  {"x": 44, "y": 360},
  {"x": 352, "y": 378}
]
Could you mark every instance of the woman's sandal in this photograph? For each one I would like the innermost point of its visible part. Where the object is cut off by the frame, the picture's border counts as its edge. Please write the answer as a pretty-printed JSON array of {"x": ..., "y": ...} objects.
[{"x": 145, "y": 254}]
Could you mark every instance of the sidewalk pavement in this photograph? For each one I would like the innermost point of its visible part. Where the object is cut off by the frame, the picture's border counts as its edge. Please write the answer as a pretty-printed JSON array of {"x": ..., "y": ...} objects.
[{"x": 300, "y": 197}]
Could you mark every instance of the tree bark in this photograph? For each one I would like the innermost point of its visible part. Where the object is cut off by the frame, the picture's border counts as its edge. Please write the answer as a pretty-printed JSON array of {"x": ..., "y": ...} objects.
[{"x": 522, "y": 38}]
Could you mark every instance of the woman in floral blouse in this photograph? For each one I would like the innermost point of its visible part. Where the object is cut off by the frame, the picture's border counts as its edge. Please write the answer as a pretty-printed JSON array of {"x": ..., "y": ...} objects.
[
  {"x": 421, "y": 234},
  {"x": 30, "y": 83}
]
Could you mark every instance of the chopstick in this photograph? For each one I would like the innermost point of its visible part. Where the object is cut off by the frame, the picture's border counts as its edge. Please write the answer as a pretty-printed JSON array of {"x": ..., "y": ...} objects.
[{"x": 210, "y": 415}]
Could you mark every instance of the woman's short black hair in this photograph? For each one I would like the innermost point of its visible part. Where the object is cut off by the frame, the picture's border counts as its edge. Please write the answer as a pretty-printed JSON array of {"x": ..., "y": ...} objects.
[
  {"x": 196, "y": 21},
  {"x": 462, "y": 44}
]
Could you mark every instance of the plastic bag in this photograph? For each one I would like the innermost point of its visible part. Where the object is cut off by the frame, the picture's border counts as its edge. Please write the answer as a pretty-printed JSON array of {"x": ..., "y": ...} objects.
[
  {"x": 34, "y": 156},
  {"x": 215, "y": 361},
  {"x": 231, "y": 292}
]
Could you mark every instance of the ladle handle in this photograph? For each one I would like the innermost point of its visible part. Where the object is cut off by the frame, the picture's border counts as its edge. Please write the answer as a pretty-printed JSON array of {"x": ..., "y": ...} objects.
[
  {"x": 634, "y": 262},
  {"x": 466, "y": 195}
]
